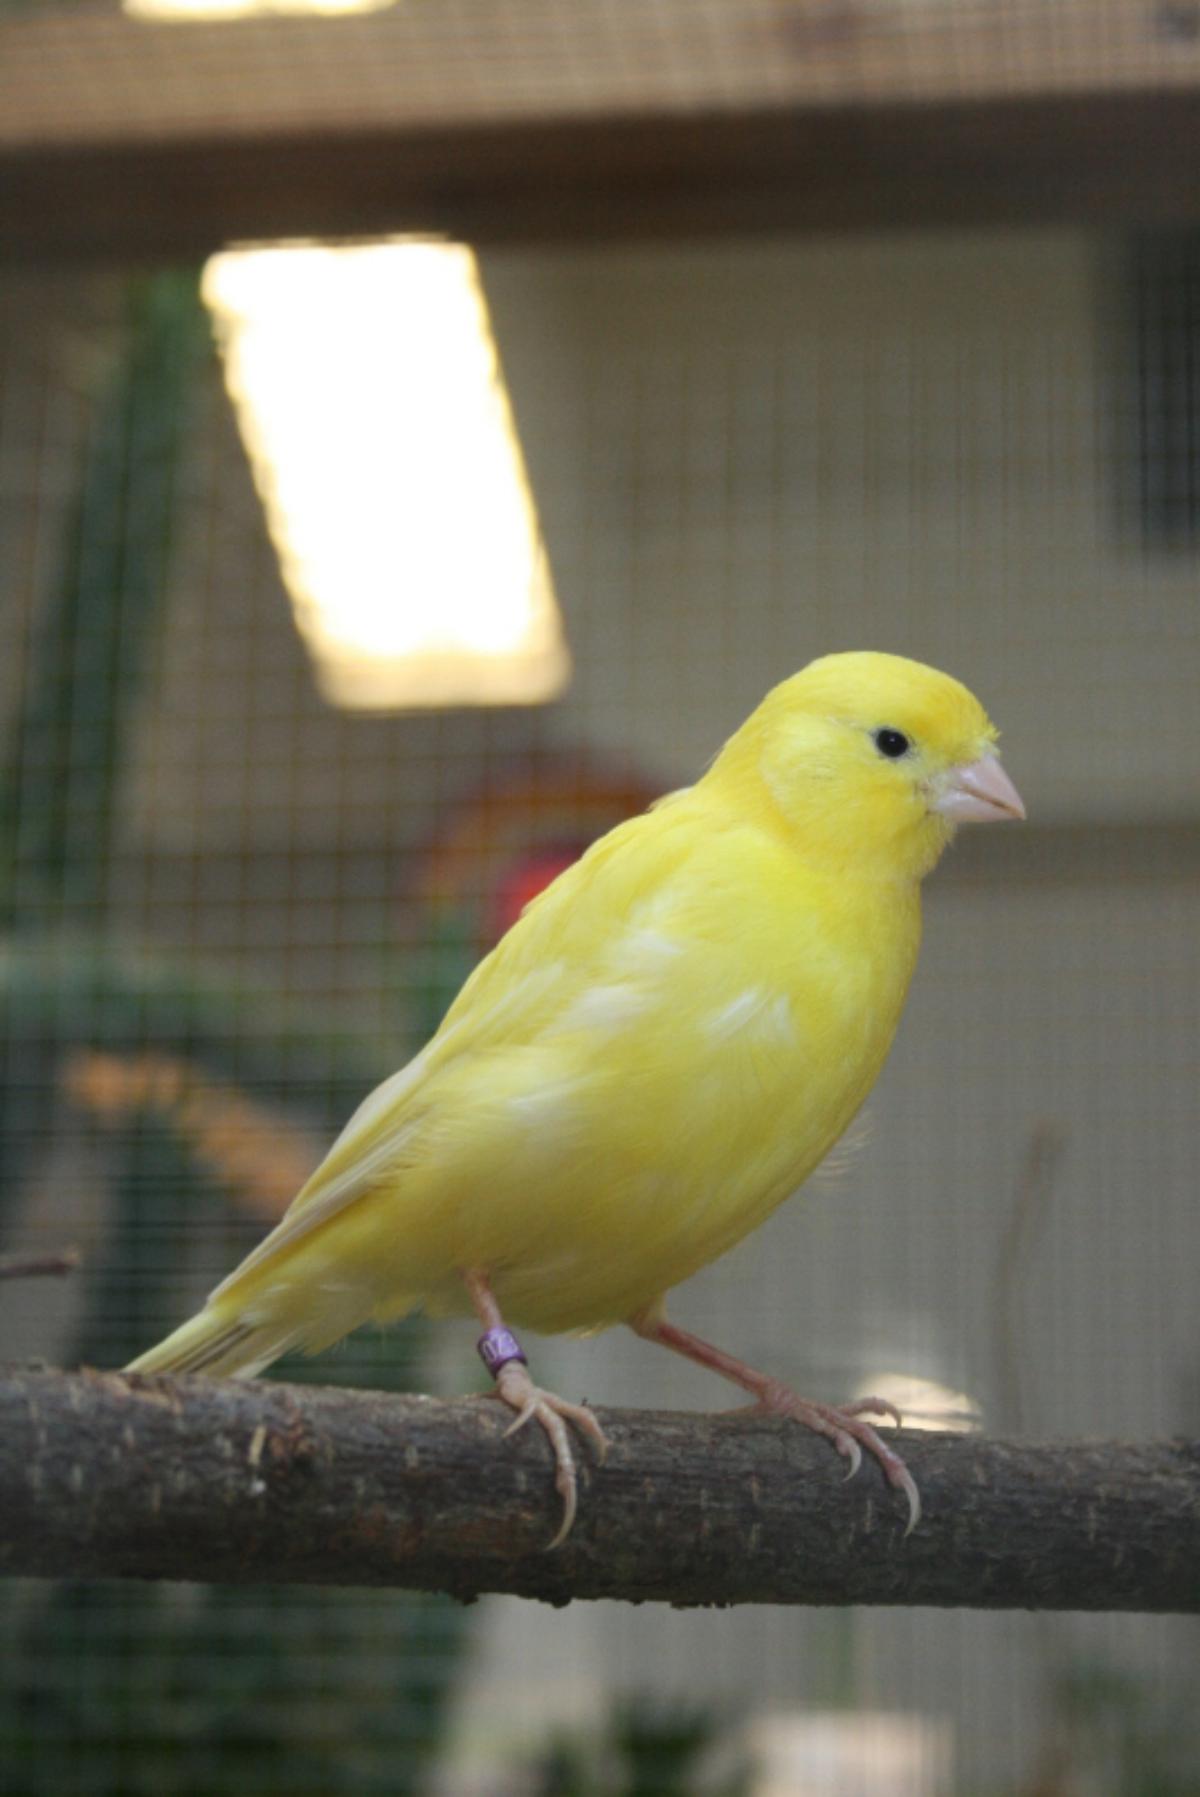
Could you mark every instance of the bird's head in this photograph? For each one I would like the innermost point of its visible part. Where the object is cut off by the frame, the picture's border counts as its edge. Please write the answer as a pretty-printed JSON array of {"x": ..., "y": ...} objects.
[{"x": 870, "y": 760}]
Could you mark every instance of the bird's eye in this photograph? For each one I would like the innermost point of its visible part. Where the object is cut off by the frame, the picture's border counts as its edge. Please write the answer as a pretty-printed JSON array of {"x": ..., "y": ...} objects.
[{"x": 892, "y": 743}]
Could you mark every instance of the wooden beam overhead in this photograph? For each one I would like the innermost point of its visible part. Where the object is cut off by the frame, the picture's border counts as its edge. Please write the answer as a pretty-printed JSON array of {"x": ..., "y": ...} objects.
[{"x": 561, "y": 120}]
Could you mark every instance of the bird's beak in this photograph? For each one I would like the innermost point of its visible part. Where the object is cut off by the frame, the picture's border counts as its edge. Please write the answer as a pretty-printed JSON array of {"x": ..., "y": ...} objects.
[{"x": 979, "y": 793}]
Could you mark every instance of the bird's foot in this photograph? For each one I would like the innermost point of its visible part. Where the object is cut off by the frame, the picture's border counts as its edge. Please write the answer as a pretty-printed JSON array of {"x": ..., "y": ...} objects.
[
  {"x": 504, "y": 1358},
  {"x": 515, "y": 1387},
  {"x": 842, "y": 1425}
]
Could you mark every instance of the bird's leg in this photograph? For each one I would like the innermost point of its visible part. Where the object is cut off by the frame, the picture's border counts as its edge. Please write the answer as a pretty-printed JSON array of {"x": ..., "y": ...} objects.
[
  {"x": 841, "y": 1425},
  {"x": 504, "y": 1359}
]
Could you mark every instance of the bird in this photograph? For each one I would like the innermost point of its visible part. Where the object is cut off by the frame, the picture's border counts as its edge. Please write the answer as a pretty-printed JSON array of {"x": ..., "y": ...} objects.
[{"x": 670, "y": 1038}]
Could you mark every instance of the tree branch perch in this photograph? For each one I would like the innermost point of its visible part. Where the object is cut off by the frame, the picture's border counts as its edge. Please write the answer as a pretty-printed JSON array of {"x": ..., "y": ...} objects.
[{"x": 113, "y": 1475}]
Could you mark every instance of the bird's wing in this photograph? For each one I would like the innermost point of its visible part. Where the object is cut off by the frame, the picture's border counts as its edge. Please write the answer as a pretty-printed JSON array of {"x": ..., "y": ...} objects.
[
  {"x": 372, "y": 1141},
  {"x": 554, "y": 948},
  {"x": 543, "y": 961}
]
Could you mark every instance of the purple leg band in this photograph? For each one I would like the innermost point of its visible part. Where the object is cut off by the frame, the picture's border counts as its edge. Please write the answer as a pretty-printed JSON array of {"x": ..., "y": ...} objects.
[{"x": 497, "y": 1347}]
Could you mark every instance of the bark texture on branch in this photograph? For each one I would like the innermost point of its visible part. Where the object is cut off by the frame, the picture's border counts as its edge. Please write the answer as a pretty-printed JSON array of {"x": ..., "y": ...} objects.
[{"x": 108, "y": 1474}]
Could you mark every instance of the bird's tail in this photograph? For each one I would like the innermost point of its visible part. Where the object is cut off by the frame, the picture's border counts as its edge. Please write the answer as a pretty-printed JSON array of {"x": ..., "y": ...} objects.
[{"x": 220, "y": 1343}]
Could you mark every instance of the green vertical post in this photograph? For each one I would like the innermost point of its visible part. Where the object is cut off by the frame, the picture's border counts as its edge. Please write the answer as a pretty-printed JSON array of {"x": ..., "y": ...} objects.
[{"x": 92, "y": 643}]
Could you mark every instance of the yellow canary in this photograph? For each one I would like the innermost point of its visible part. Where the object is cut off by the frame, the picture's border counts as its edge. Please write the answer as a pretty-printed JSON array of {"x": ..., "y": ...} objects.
[{"x": 657, "y": 1054}]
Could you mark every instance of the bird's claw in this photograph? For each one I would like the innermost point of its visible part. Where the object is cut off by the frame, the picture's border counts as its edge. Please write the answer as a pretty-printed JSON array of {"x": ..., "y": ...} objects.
[
  {"x": 515, "y": 1387},
  {"x": 873, "y": 1407},
  {"x": 849, "y": 1449},
  {"x": 905, "y": 1482},
  {"x": 849, "y": 1435}
]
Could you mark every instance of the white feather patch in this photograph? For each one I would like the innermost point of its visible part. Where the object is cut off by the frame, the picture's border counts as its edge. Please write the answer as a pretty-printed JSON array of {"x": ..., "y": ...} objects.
[
  {"x": 549, "y": 1111},
  {"x": 602, "y": 1008},
  {"x": 767, "y": 1016},
  {"x": 645, "y": 950}
]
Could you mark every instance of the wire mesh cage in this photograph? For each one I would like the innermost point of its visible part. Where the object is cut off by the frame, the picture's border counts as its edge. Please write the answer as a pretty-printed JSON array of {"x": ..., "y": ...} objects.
[{"x": 233, "y": 902}]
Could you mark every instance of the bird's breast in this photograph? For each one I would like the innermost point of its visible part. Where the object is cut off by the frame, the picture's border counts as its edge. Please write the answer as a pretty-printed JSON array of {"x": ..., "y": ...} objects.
[{"x": 670, "y": 1104}]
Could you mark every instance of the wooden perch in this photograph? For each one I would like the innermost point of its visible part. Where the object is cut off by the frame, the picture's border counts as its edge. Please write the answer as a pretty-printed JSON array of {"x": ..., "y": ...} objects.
[{"x": 104, "y": 1474}]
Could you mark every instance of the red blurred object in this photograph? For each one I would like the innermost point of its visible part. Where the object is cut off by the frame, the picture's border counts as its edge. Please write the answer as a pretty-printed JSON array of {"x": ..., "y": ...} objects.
[
  {"x": 499, "y": 848},
  {"x": 521, "y": 884}
]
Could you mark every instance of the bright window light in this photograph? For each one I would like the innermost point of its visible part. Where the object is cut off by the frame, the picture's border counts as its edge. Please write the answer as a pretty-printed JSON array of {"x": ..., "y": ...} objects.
[
  {"x": 850, "y": 1753},
  {"x": 923, "y": 1403},
  {"x": 369, "y": 395},
  {"x": 245, "y": 9}
]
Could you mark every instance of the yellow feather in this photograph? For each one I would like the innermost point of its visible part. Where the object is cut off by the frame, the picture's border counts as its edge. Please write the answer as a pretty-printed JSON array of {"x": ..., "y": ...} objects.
[{"x": 657, "y": 1054}]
